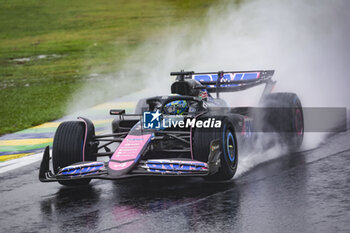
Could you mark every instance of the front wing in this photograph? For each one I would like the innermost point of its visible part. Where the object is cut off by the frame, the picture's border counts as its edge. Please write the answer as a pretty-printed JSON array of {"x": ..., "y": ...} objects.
[{"x": 99, "y": 170}]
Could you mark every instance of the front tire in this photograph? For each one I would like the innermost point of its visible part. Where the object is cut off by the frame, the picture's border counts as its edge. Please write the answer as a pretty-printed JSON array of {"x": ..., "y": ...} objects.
[
  {"x": 228, "y": 146},
  {"x": 68, "y": 149}
]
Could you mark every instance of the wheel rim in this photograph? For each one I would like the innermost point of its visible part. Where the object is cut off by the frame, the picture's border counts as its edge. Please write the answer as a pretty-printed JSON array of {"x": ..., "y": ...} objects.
[{"x": 230, "y": 147}]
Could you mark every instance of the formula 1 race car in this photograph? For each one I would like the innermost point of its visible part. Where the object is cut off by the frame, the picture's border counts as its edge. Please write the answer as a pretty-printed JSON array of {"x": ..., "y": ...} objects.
[{"x": 188, "y": 133}]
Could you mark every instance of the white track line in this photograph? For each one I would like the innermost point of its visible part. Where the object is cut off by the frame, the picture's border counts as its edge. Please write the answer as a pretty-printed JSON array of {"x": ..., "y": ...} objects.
[{"x": 20, "y": 162}]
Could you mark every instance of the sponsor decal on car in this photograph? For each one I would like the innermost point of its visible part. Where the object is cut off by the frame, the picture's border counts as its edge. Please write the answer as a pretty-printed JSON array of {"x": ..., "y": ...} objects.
[{"x": 175, "y": 166}]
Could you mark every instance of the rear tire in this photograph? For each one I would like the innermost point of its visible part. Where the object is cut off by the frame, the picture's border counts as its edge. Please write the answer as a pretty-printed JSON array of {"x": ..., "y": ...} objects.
[
  {"x": 228, "y": 145},
  {"x": 285, "y": 116},
  {"x": 68, "y": 149}
]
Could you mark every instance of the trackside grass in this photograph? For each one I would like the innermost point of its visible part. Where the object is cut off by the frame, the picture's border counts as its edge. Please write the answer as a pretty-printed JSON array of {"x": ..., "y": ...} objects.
[{"x": 48, "y": 48}]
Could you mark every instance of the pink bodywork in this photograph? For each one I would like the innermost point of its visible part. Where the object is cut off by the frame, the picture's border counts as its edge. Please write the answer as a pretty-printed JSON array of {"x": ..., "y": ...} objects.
[{"x": 128, "y": 151}]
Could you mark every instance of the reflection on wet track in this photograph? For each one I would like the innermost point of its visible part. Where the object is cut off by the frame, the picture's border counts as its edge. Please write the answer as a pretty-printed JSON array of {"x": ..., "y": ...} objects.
[{"x": 302, "y": 192}]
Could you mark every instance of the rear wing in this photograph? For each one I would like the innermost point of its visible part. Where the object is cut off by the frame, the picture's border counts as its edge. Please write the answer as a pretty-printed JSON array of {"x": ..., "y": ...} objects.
[{"x": 228, "y": 81}]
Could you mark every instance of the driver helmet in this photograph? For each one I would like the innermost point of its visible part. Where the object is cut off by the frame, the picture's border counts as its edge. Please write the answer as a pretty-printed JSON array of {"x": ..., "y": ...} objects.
[{"x": 176, "y": 107}]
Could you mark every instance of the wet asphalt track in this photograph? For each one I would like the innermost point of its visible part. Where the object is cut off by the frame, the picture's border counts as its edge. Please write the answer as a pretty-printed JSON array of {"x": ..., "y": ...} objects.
[{"x": 302, "y": 192}]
